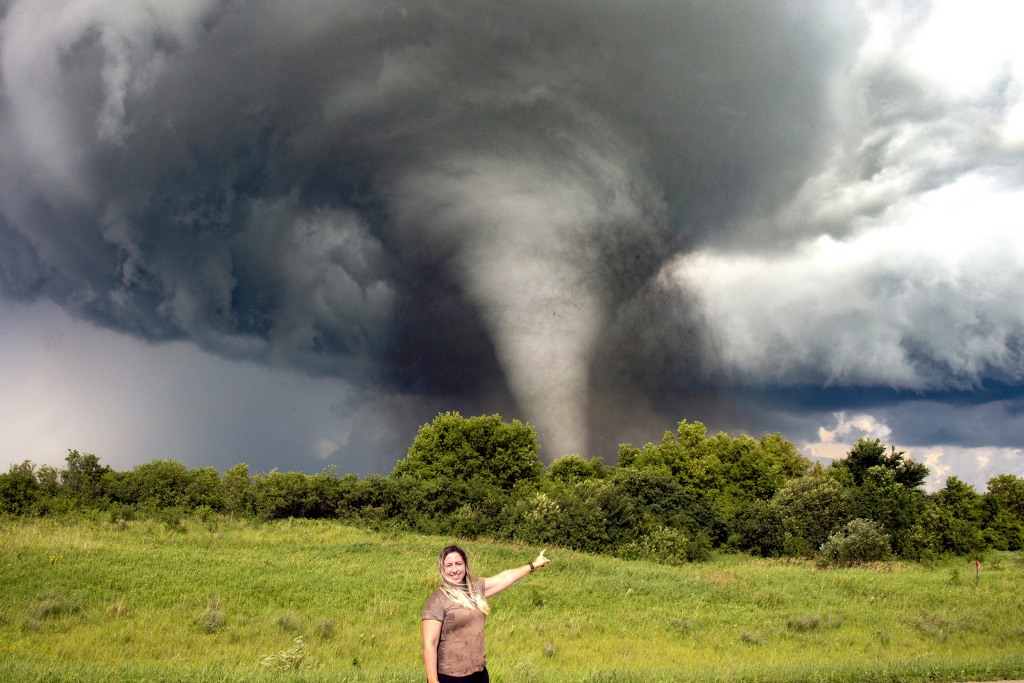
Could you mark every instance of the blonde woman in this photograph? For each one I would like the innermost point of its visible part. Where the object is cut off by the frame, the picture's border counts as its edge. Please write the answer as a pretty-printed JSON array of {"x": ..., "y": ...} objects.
[{"x": 454, "y": 617}]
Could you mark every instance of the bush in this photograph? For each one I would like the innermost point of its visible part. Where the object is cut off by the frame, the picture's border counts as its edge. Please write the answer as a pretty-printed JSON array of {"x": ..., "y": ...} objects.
[
  {"x": 468, "y": 522},
  {"x": 324, "y": 629},
  {"x": 859, "y": 542},
  {"x": 53, "y": 605},
  {"x": 289, "y": 623},
  {"x": 212, "y": 618},
  {"x": 582, "y": 523},
  {"x": 572, "y": 468},
  {"x": 946, "y": 533},
  {"x": 532, "y": 519},
  {"x": 286, "y": 660},
  {"x": 698, "y": 548},
  {"x": 19, "y": 488},
  {"x": 760, "y": 529},
  {"x": 664, "y": 544}
]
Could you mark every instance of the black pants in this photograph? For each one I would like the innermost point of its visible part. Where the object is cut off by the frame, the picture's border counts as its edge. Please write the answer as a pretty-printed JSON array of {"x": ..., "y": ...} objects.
[{"x": 478, "y": 677}]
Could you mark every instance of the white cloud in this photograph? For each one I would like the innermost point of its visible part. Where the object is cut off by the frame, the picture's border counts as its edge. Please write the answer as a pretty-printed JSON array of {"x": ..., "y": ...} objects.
[
  {"x": 974, "y": 465},
  {"x": 962, "y": 47},
  {"x": 923, "y": 297},
  {"x": 963, "y": 52},
  {"x": 834, "y": 443}
]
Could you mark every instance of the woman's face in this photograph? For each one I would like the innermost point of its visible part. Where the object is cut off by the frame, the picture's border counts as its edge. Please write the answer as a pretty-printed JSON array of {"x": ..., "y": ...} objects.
[{"x": 454, "y": 567}]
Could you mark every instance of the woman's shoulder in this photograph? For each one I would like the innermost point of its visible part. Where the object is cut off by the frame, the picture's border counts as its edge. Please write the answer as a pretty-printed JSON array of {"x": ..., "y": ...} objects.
[{"x": 435, "y": 603}]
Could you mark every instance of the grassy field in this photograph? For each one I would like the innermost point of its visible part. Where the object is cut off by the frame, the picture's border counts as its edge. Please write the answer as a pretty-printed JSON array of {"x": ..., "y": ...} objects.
[{"x": 229, "y": 600}]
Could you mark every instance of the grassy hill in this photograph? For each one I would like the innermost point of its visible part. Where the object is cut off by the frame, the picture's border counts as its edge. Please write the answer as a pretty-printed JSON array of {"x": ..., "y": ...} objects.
[{"x": 229, "y": 600}]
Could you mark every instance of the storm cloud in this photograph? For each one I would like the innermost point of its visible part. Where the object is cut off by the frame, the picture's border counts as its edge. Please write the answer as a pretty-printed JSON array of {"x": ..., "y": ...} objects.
[
  {"x": 597, "y": 217},
  {"x": 436, "y": 198}
]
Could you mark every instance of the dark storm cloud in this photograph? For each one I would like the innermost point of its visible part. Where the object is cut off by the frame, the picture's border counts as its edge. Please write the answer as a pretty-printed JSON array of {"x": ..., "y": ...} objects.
[{"x": 462, "y": 200}]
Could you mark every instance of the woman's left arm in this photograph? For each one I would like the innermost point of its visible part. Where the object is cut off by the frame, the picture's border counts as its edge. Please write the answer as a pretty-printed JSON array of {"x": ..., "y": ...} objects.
[{"x": 500, "y": 582}]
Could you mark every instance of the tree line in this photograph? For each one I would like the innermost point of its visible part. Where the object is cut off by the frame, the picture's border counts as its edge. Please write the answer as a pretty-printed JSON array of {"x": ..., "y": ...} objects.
[{"x": 673, "y": 501}]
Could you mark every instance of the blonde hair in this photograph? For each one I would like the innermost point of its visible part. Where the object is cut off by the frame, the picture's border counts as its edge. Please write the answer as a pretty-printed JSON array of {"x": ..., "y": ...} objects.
[{"x": 466, "y": 593}]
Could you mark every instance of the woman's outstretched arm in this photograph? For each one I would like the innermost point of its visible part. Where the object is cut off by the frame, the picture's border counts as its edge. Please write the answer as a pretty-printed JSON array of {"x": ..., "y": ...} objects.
[{"x": 500, "y": 582}]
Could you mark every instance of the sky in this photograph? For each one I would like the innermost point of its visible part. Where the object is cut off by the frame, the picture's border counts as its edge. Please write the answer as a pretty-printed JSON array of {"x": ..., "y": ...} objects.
[{"x": 290, "y": 234}]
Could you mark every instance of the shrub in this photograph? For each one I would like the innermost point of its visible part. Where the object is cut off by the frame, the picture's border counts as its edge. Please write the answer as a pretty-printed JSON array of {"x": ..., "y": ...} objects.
[
  {"x": 212, "y": 619},
  {"x": 324, "y": 629},
  {"x": 532, "y": 519},
  {"x": 468, "y": 522},
  {"x": 286, "y": 660},
  {"x": 289, "y": 623},
  {"x": 698, "y": 548},
  {"x": 572, "y": 468},
  {"x": 752, "y": 638},
  {"x": 664, "y": 544},
  {"x": 582, "y": 523},
  {"x": 173, "y": 519},
  {"x": 760, "y": 529},
  {"x": 53, "y": 605},
  {"x": 804, "y": 623},
  {"x": 859, "y": 542},
  {"x": 19, "y": 488}
]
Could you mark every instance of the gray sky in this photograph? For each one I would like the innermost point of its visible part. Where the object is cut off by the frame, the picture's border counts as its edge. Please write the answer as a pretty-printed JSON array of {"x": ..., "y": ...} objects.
[{"x": 289, "y": 234}]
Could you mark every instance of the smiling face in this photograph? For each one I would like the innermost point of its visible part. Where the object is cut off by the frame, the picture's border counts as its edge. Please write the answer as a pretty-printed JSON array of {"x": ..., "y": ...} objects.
[{"x": 454, "y": 567}]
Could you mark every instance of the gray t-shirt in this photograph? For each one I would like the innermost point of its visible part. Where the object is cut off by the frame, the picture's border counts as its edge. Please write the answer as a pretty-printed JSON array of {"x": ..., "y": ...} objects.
[{"x": 460, "y": 651}]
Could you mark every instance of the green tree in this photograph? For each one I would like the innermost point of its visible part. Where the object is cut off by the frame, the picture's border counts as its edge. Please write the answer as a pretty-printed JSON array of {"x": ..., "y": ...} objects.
[
  {"x": 1003, "y": 531},
  {"x": 655, "y": 499},
  {"x": 377, "y": 499},
  {"x": 49, "y": 480},
  {"x": 82, "y": 475},
  {"x": 1006, "y": 492},
  {"x": 1003, "y": 512},
  {"x": 960, "y": 499},
  {"x": 813, "y": 507},
  {"x": 883, "y": 499},
  {"x": 277, "y": 495},
  {"x": 867, "y": 453},
  {"x": 463, "y": 448},
  {"x": 758, "y": 472},
  {"x": 156, "y": 485},
  {"x": 953, "y": 522},
  {"x": 688, "y": 456},
  {"x": 627, "y": 455},
  {"x": 582, "y": 523},
  {"x": 572, "y": 467},
  {"x": 19, "y": 488},
  {"x": 204, "y": 489},
  {"x": 735, "y": 471},
  {"x": 651, "y": 494},
  {"x": 784, "y": 456},
  {"x": 236, "y": 482},
  {"x": 761, "y": 529}
]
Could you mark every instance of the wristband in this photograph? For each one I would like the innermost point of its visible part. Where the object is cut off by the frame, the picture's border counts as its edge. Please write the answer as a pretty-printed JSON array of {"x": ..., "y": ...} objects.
[{"x": 531, "y": 566}]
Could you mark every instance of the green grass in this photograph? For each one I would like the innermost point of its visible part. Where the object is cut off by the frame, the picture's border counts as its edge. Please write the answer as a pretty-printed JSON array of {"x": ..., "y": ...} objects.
[{"x": 226, "y": 601}]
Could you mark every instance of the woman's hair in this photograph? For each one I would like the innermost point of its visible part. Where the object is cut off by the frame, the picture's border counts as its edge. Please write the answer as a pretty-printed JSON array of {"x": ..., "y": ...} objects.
[{"x": 466, "y": 594}]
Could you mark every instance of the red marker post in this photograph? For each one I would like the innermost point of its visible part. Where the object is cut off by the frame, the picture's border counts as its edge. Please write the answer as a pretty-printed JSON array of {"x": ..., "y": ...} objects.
[{"x": 977, "y": 572}]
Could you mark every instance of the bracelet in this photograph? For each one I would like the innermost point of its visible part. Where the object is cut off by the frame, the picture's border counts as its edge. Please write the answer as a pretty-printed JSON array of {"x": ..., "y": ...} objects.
[{"x": 531, "y": 566}]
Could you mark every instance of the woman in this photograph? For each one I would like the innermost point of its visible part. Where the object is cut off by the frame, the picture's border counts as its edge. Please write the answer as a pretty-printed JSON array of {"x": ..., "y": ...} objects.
[{"x": 454, "y": 616}]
